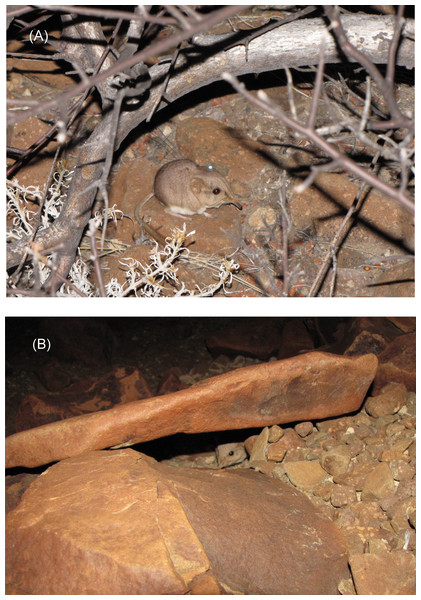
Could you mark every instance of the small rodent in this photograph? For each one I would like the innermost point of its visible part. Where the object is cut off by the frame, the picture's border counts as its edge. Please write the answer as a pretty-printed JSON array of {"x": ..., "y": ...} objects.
[
  {"x": 187, "y": 189},
  {"x": 230, "y": 454}
]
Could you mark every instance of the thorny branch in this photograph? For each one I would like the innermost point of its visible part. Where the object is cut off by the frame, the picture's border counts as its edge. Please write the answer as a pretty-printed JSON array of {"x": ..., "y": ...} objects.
[{"x": 97, "y": 65}]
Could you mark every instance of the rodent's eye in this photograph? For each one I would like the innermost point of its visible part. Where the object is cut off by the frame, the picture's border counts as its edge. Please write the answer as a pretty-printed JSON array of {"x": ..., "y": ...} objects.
[{"x": 216, "y": 191}]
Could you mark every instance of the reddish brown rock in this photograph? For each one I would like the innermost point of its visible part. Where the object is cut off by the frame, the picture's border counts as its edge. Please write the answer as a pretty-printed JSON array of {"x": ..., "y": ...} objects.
[
  {"x": 365, "y": 335},
  {"x": 379, "y": 483},
  {"x": 260, "y": 448},
  {"x": 275, "y": 433},
  {"x": 390, "y": 399},
  {"x": 412, "y": 518},
  {"x": 397, "y": 363},
  {"x": 289, "y": 441},
  {"x": 304, "y": 429},
  {"x": 117, "y": 522},
  {"x": 311, "y": 386},
  {"x": 249, "y": 443},
  {"x": 276, "y": 452},
  {"x": 346, "y": 587},
  {"x": 388, "y": 573},
  {"x": 305, "y": 474},
  {"x": 170, "y": 382},
  {"x": 401, "y": 470},
  {"x": 318, "y": 205},
  {"x": 15, "y": 486},
  {"x": 396, "y": 452},
  {"x": 399, "y": 513},
  {"x": 323, "y": 490},
  {"x": 336, "y": 460},
  {"x": 356, "y": 476},
  {"x": 368, "y": 332},
  {"x": 368, "y": 514},
  {"x": 342, "y": 495},
  {"x": 199, "y": 460},
  {"x": 406, "y": 324},
  {"x": 121, "y": 385}
]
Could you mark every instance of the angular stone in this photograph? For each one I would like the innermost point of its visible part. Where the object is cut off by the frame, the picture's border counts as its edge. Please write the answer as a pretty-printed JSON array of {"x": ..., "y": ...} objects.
[
  {"x": 405, "y": 324},
  {"x": 276, "y": 451},
  {"x": 310, "y": 386},
  {"x": 323, "y": 490},
  {"x": 363, "y": 335},
  {"x": 401, "y": 470},
  {"x": 399, "y": 513},
  {"x": 396, "y": 452},
  {"x": 118, "y": 522},
  {"x": 304, "y": 429},
  {"x": 368, "y": 514},
  {"x": 405, "y": 539},
  {"x": 356, "y": 477},
  {"x": 346, "y": 587},
  {"x": 336, "y": 460},
  {"x": 342, "y": 495},
  {"x": 378, "y": 546},
  {"x": 397, "y": 363},
  {"x": 390, "y": 573},
  {"x": 294, "y": 454},
  {"x": 391, "y": 398},
  {"x": 334, "y": 426},
  {"x": 379, "y": 483},
  {"x": 249, "y": 443},
  {"x": 305, "y": 474},
  {"x": 359, "y": 536},
  {"x": 275, "y": 434},
  {"x": 290, "y": 440},
  {"x": 260, "y": 447},
  {"x": 170, "y": 382},
  {"x": 355, "y": 445}
]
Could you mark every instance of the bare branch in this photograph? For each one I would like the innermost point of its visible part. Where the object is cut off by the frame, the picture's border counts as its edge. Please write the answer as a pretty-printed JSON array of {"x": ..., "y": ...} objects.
[
  {"x": 385, "y": 85},
  {"x": 338, "y": 157}
]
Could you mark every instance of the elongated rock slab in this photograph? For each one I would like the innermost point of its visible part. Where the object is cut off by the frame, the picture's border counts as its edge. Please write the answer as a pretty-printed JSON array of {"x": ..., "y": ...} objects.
[
  {"x": 316, "y": 385},
  {"x": 118, "y": 522}
]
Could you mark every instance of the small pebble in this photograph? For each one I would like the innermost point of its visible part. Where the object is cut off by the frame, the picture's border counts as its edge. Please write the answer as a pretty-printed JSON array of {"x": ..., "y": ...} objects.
[{"x": 304, "y": 429}]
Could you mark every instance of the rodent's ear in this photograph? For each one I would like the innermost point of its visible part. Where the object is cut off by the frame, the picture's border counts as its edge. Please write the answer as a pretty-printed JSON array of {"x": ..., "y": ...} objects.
[{"x": 196, "y": 185}]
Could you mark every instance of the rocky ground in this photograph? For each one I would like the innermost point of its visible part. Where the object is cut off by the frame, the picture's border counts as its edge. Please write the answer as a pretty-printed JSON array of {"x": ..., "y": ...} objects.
[
  {"x": 360, "y": 470},
  {"x": 357, "y": 469}
]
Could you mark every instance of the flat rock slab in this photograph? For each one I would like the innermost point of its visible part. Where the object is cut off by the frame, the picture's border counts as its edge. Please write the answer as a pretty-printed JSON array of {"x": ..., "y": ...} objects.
[
  {"x": 386, "y": 573},
  {"x": 118, "y": 522},
  {"x": 310, "y": 386}
]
